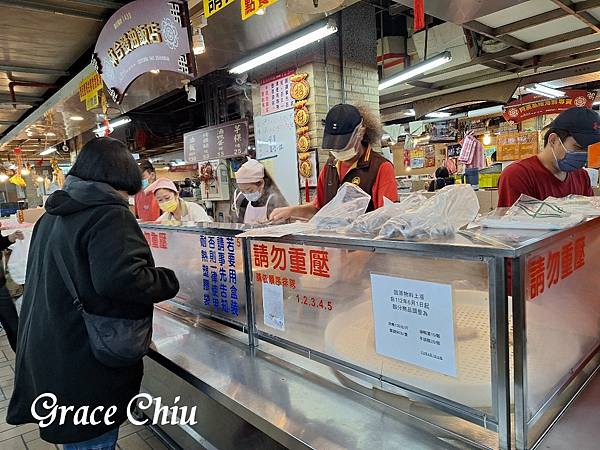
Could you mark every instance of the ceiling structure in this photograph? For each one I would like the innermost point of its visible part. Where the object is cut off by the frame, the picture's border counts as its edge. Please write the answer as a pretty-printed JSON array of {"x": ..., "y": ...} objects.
[
  {"x": 42, "y": 46},
  {"x": 535, "y": 41}
]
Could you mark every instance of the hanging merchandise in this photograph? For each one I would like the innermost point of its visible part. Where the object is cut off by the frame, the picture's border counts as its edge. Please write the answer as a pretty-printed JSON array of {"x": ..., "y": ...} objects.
[
  {"x": 58, "y": 177},
  {"x": 300, "y": 91},
  {"x": 17, "y": 179},
  {"x": 472, "y": 152}
]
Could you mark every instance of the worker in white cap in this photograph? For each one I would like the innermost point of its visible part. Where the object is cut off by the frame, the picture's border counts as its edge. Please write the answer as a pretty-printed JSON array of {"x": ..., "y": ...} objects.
[{"x": 256, "y": 196}]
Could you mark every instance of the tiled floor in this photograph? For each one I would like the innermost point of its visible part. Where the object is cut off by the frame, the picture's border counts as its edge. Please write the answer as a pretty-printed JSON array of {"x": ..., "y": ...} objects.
[{"x": 27, "y": 437}]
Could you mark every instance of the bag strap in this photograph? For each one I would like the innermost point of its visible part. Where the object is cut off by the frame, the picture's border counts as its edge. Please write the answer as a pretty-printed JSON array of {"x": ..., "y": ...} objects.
[{"x": 64, "y": 273}]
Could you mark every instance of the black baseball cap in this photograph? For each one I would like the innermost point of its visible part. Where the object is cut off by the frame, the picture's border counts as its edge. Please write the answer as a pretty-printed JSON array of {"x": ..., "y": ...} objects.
[
  {"x": 581, "y": 123},
  {"x": 340, "y": 123}
]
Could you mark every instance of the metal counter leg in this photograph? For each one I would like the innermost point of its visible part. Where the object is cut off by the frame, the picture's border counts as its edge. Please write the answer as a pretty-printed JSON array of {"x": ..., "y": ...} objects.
[
  {"x": 499, "y": 347},
  {"x": 520, "y": 353},
  {"x": 250, "y": 310}
]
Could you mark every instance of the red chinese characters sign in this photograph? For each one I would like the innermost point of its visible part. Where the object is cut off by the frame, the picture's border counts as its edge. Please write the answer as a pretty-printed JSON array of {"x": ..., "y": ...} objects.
[
  {"x": 282, "y": 263},
  {"x": 157, "y": 240},
  {"x": 548, "y": 270},
  {"x": 533, "y": 105}
]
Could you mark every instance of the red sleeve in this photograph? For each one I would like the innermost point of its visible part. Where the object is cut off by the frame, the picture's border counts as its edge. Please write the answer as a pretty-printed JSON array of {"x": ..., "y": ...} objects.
[
  {"x": 512, "y": 185},
  {"x": 320, "y": 198},
  {"x": 385, "y": 185},
  {"x": 588, "y": 188}
]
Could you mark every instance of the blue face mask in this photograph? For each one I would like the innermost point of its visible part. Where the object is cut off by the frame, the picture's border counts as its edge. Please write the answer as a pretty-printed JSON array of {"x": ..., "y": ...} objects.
[
  {"x": 145, "y": 184},
  {"x": 572, "y": 161}
]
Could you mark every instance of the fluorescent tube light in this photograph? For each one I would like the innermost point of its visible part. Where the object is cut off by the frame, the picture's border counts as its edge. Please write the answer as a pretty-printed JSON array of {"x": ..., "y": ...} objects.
[
  {"x": 311, "y": 36},
  {"x": 545, "y": 91},
  {"x": 417, "y": 69},
  {"x": 113, "y": 125},
  {"x": 438, "y": 115},
  {"x": 48, "y": 151},
  {"x": 486, "y": 111}
]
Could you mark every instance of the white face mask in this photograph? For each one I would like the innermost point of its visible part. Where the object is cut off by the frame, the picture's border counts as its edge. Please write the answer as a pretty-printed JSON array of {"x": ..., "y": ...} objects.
[
  {"x": 350, "y": 151},
  {"x": 253, "y": 196}
]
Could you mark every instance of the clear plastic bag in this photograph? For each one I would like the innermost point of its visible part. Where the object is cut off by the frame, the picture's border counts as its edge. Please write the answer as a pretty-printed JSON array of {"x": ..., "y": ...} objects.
[
  {"x": 371, "y": 222},
  {"x": 441, "y": 215},
  {"x": 529, "y": 213},
  {"x": 349, "y": 203},
  {"x": 17, "y": 263}
]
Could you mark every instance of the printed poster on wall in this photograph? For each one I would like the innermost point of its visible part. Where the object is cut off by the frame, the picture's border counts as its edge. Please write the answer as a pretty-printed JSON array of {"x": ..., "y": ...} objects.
[
  {"x": 414, "y": 322},
  {"x": 275, "y": 93}
]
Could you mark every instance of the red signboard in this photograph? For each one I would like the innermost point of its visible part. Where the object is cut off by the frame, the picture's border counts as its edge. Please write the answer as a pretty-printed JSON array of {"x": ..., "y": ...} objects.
[{"x": 531, "y": 105}]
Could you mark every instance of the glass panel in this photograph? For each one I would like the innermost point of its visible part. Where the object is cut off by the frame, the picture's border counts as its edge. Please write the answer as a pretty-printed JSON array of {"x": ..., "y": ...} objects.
[
  {"x": 327, "y": 306},
  {"x": 562, "y": 312},
  {"x": 210, "y": 270}
]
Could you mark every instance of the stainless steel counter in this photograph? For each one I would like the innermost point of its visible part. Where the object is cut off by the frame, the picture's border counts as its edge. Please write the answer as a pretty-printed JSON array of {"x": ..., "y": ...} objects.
[{"x": 295, "y": 407}]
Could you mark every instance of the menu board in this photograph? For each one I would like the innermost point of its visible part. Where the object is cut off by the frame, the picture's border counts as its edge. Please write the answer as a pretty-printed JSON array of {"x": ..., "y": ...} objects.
[
  {"x": 417, "y": 158},
  {"x": 275, "y": 93},
  {"x": 430, "y": 156},
  {"x": 516, "y": 146},
  {"x": 228, "y": 140}
]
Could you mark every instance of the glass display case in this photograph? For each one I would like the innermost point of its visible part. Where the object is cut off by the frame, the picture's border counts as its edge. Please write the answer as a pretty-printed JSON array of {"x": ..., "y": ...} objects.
[{"x": 487, "y": 333}]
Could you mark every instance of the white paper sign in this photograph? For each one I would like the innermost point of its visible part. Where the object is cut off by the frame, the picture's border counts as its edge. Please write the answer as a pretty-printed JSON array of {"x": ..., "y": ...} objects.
[
  {"x": 414, "y": 322},
  {"x": 273, "y": 306}
]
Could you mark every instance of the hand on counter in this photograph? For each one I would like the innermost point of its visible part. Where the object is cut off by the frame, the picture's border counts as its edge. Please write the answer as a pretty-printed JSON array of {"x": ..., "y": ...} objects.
[{"x": 281, "y": 214}]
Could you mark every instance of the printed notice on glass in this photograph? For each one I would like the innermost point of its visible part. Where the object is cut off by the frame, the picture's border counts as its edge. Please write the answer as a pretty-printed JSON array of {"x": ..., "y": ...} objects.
[
  {"x": 273, "y": 306},
  {"x": 414, "y": 322}
]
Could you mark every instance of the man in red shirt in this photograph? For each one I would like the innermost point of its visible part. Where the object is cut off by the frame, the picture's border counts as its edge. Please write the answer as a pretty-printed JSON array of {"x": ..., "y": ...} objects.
[
  {"x": 557, "y": 171},
  {"x": 146, "y": 206},
  {"x": 349, "y": 134}
]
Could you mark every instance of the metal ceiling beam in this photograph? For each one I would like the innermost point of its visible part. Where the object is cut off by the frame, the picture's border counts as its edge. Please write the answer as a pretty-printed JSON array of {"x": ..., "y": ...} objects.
[
  {"x": 422, "y": 85},
  {"x": 6, "y": 67},
  {"x": 41, "y": 6},
  {"x": 490, "y": 32},
  {"x": 7, "y": 122},
  {"x": 5, "y": 98},
  {"x": 571, "y": 8},
  {"x": 587, "y": 5},
  {"x": 108, "y": 4},
  {"x": 530, "y": 22},
  {"x": 564, "y": 37}
]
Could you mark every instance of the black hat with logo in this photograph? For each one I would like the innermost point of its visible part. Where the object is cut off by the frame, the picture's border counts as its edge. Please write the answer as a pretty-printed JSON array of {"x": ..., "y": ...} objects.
[
  {"x": 581, "y": 123},
  {"x": 340, "y": 123}
]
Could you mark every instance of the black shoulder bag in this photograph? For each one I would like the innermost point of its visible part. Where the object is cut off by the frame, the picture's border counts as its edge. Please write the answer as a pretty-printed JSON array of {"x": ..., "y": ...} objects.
[{"x": 114, "y": 342}]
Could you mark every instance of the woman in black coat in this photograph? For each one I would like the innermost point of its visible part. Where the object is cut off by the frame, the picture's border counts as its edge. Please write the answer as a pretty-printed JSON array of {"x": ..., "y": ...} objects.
[
  {"x": 110, "y": 263},
  {"x": 8, "y": 312}
]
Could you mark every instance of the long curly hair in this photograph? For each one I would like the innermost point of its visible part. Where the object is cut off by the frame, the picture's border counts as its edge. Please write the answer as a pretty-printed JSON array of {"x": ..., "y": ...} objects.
[{"x": 373, "y": 124}]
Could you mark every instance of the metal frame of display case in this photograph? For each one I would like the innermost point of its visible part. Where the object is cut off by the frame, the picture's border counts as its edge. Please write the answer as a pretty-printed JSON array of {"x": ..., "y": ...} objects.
[{"x": 526, "y": 433}]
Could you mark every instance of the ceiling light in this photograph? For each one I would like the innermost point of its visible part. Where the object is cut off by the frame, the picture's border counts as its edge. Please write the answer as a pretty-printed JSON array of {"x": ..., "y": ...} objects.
[
  {"x": 48, "y": 151},
  {"x": 545, "y": 91},
  {"x": 492, "y": 110},
  {"x": 39, "y": 179},
  {"x": 25, "y": 171},
  {"x": 50, "y": 134},
  {"x": 308, "y": 36},
  {"x": 438, "y": 115},
  {"x": 487, "y": 139},
  {"x": 3, "y": 178},
  {"x": 113, "y": 125},
  {"x": 260, "y": 12},
  {"x": 76, "y": 118},
  {"x": 198, "y": 45},
  {"x": 410, "y": 113},
  {"x": 155, "y": 71},
  {"x": 417, "y": 69}
]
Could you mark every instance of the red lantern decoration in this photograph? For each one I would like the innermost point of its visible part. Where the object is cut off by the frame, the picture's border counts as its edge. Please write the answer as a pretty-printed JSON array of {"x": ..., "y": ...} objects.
[
  {"x": 18, "y": 150},
  {"x": 419, "y": 7}
]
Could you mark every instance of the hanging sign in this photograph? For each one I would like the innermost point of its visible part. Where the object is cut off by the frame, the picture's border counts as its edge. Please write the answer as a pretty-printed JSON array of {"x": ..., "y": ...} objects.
[
  {"x": 228, "y": 140},
  {"x": 144, "y": 35},
  {"x": 251, "y": 7},
  {"x": 214, "y": 6},
  {"x": 89, "y": 86},
  {"x": 534, "y": 106}
]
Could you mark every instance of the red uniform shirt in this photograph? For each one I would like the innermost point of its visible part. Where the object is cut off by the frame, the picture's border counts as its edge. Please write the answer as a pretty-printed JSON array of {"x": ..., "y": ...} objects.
[
  {"x": 146, "y": 207},
  {"x": 530, "y": 177},
  {"x": 385, "y": 184}
]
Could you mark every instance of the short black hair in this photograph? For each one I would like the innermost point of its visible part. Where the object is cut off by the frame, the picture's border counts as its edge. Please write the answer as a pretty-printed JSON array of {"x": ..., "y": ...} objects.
[
  {"x": 146, "y": 165},
  {"x": 442, "y": 172},
  {"x": 562, "y": 134},
  {"x": 107, "y": 160}
]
